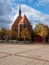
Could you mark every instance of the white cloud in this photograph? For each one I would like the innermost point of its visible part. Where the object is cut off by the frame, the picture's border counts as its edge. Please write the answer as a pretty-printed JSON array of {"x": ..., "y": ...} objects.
[
  {"x": 5, "y": 13},
  {"x": 33, "y": 15},
  {"x": 30, "y": 1},
  {"x": 42, "y": 2}
]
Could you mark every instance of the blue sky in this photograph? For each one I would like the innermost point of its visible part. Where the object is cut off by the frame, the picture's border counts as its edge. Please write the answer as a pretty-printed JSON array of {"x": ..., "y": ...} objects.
[
  {"x": 41, "y": 5},
  {"x": 36, "y": 11}
]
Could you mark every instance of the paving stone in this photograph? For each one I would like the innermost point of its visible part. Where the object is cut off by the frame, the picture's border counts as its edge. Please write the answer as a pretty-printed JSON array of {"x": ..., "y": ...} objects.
[{"x": 13, "y": 54}]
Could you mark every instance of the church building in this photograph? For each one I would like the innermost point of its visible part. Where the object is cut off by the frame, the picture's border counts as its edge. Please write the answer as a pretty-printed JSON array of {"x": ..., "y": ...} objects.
[{"x": 20, "y": 23}]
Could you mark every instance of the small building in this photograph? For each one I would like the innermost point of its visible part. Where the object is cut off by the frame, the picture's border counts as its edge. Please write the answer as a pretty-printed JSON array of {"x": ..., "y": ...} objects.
[{"x": 37, "y": 38}]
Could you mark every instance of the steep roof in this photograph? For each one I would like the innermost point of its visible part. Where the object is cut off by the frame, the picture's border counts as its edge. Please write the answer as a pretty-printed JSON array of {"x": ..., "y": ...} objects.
[
  {"x": 16, "y": 22},
  {"x": 24, "y": 20}
]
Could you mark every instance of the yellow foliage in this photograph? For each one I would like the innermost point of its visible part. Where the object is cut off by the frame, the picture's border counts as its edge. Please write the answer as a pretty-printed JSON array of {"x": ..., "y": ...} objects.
[
  {"x": 41, "y": 30},
  {"x": 25, "y": 33}
]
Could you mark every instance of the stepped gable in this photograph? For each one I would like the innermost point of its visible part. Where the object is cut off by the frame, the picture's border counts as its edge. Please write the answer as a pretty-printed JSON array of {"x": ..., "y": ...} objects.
[{"x": 24, "y": 20}]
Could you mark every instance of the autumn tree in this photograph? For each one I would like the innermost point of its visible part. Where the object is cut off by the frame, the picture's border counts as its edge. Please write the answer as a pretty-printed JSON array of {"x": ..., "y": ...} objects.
[
  {"x": 0, "y": 34},
  {"x": 25, "y": 34},
  {"x": 41, "y": 30},
  {"x": 14, "y": 34},
  {"x": 3, "y": 33}
]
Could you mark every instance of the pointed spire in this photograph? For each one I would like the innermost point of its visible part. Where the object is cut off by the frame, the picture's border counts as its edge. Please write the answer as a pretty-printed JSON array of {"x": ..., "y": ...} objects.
[{"x": 20, "y": 11}]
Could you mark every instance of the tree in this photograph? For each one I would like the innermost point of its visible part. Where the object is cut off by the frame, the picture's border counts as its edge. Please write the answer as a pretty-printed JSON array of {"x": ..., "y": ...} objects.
[
  {"x": 8, "y": 34},
  {"x": 41, "y": 30},
  {"x": 14, "y": 34},
  {"x": 25, "y": 34},
  {"x": 5, "y": 34},
  {"x": 0, "y": 34},
  {"x": 3, "y": 30}
]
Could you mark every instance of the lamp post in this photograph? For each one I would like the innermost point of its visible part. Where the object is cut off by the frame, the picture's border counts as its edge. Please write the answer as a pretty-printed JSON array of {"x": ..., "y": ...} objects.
[{"x": 2, "y": 34}]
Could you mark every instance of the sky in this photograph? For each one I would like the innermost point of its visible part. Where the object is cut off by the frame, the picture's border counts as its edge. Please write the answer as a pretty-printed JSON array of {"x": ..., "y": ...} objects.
[{"x": 36, "y": 11}]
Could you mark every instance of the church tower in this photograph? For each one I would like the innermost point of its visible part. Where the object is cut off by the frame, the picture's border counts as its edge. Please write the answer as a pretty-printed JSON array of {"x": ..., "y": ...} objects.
[{"x": 20, "y": 11}]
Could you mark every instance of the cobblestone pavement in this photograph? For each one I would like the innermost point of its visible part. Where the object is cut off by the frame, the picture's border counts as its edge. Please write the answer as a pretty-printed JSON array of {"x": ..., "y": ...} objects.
[{"x": 16, "y": 54}]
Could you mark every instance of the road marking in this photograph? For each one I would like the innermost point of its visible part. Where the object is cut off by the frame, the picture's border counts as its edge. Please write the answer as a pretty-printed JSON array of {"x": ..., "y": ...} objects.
[
  {"x": 32, "y": 58},
  {"x": 6, "y": 54}
]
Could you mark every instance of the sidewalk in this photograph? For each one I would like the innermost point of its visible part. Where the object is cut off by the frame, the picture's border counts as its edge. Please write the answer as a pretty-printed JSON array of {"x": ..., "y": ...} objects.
[{"x": 34, "y": 54}]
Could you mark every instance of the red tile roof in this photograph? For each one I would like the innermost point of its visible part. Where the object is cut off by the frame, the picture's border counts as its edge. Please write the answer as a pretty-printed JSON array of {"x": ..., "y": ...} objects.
[{"x": 24, "y": 20}]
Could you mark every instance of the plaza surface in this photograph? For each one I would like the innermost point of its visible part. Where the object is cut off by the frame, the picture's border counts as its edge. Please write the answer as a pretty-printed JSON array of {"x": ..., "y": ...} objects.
[{"x": 24, "y": 54}]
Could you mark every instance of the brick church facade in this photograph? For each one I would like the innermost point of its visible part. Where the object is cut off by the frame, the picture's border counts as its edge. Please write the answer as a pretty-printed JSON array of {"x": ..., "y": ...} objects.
[{"x": 20, "y": 23}]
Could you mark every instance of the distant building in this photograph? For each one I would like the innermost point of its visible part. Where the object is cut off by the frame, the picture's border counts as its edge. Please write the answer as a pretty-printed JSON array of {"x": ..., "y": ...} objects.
[{"x": 20, "y": 23}]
